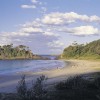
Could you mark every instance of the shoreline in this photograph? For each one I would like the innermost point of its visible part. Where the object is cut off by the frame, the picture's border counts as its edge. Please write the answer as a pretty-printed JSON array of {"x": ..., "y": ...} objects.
[{"x": 74, "y": 67}]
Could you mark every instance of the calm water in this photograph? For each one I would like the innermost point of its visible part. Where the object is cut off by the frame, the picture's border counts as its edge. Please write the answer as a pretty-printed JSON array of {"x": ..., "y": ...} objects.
[{"x": 15, "y": 66}]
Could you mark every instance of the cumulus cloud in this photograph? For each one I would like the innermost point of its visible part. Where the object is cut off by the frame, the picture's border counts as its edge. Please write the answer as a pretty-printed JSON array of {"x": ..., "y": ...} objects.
[
  {"x": 37, "y": 34},
  {"x": 83, "y": 30},
  {"x": 31, "y": 30},
  {"x": 51, "y": 24},
  {"x": 28, "y": 6},
  {"x": 94, "y": 18},
  {"x": 46, "y": 31},
  {"x": 58, "y": 22},
  {"x": 35, "y": 23},
  {"x": 53, "y": 18},
  {"x": 57, "y": 18}
]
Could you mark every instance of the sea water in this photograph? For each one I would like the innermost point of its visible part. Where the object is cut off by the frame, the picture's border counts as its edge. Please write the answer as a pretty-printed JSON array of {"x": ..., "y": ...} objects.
[{"x": 17, "y": 66}]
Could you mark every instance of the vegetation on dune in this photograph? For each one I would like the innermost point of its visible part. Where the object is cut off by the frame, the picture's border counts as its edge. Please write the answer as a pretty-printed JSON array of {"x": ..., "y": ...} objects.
[
  {"x": 74, "y": 88},
  {"x": 78, "y": 88},
  {"x": 81, "y": 51},
  {"x": 18, "y": 52},
  {"x": 35, "y": 92}
]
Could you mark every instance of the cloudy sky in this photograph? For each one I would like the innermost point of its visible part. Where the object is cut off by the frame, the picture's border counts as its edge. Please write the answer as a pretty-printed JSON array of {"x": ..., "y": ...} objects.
[{"x": 48, "y": 26}]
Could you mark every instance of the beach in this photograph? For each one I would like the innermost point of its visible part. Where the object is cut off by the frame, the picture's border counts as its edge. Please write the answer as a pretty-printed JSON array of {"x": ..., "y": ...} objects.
[{"x": 74, "y": 67}]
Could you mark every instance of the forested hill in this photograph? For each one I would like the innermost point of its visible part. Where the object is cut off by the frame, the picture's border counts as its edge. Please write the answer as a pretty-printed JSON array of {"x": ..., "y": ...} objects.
[
  {"x": 18, "y": 52},
  {"x": 81, "y": 51}
]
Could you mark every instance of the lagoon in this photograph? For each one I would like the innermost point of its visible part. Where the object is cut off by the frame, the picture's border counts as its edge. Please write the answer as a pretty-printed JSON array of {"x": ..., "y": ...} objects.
[{"x": 11, "y": 67}]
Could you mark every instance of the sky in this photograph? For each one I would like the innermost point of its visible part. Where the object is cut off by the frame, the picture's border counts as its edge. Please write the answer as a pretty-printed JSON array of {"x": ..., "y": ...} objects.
[{"x": 48, "y": 26}]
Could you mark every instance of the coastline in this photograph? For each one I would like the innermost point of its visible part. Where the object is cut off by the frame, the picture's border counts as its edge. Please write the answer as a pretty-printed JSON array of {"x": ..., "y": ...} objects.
[{"x": 74, "y": 67}]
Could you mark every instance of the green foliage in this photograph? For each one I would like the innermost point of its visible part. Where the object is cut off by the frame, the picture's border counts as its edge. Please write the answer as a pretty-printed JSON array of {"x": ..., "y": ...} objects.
[
  {"x": 72, "y": 83},
  {"x": 22, "y": 89},
  {"x": 38, "y": 89},
  {"x": 74, "y": 88},
  {"x": 88, "y": 51},
  {"x": 18, "y": 52},
  {"x": 78, "y": 88},
  {"x": 36, "y": 92}
]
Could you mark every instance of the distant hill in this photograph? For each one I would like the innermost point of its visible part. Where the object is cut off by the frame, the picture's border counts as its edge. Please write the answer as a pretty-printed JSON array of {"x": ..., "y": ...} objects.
[{"x": 81, "y": 51}]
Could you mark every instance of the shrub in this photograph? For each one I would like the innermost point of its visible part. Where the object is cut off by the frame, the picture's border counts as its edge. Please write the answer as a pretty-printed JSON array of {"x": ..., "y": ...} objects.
[
  {"x": 22, "y": 89},
  {"x": 72, "y": 83},
  {"x": 36, "y": 92},
  {"x": 76, "y": 88}
]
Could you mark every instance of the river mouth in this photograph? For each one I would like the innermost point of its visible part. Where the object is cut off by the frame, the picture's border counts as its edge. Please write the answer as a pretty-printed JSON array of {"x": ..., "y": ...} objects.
[{"x": 11, "y": 67}]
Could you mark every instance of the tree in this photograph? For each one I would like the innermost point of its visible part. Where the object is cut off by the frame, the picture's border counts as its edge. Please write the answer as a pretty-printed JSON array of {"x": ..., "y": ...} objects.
[
  {"x": 90, "y": 50},
  {"x": 9, "y": 52}
]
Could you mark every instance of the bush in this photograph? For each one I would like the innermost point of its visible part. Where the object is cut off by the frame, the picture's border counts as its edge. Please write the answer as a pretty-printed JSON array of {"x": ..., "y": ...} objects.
[
  {"x": 76, "y": 88},
  {"x": 22, "y": 89},
  {"x": 36, "y": 92},
  {"x": 72, "y": 83}
]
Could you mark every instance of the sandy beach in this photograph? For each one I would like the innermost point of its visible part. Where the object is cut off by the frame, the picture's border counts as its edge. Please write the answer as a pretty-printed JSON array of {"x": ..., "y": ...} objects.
[{"x": 74, "y": 67}]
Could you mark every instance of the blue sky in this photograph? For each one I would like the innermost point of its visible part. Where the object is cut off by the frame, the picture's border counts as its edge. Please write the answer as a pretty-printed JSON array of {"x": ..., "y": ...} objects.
[{"x": 48, "y": 26}]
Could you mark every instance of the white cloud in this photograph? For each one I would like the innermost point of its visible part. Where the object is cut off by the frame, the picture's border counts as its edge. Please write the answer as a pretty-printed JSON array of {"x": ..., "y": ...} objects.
[
  {"x": 27, "y": 32},
  {"x": 56, "y": 44},
  {"x": 35, "y": 23},
  {"x": 34, "y": 4},
  {"x": 49, "y": 27},
  {"x": 83, "y": 30},
  {"x": 28, "y": 6},
  {"x": 57, "y": 18},
  {"x": 5, "y": 40},
  {"x": 51, "y": 19},
  {"x": 94, "y": 18},
  {"x": 48, "y": 33},
  {"x": 34, "y": 1},
  {"x": 31, "y": 30},
  {"x": 14, "y": 34}
]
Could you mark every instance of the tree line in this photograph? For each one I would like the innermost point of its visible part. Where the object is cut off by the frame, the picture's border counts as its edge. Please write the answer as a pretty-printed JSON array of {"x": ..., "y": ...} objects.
[
  {"x": 89, "y": 51},
  {"x": 18, "y": 52}
]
